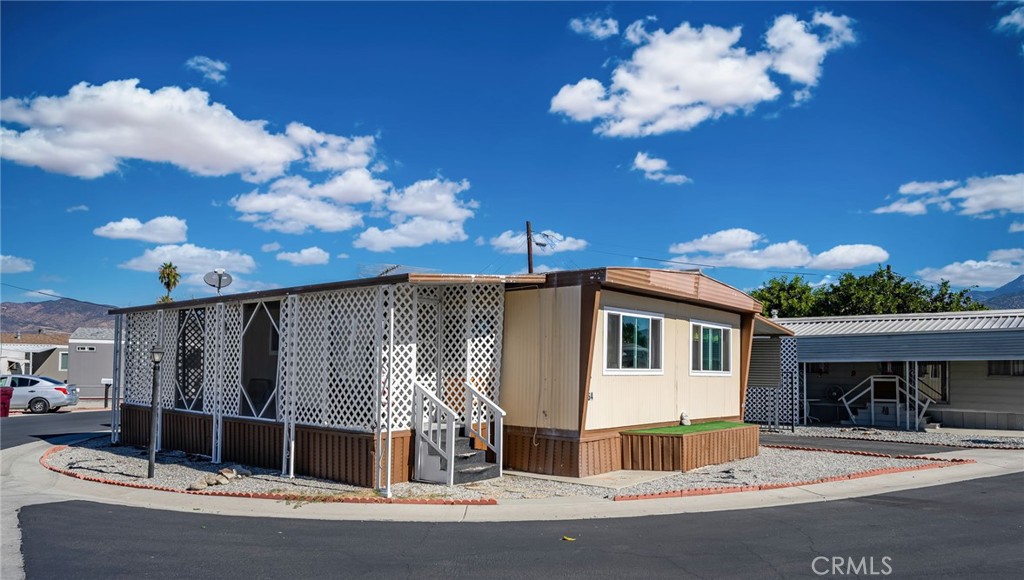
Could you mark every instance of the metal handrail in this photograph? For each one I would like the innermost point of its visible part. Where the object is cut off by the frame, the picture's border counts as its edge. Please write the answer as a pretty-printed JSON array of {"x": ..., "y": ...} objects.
[
  {"x": 846, "y": 399},
  {"x": 479, "y": 416},
  {"x": 430, "y": 413}
]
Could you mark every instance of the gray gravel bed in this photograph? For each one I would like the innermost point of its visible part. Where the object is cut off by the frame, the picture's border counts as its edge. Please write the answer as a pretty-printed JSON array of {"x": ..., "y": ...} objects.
[
  {"x": 1010, "y": 441},
  {"x": 177, "y": 470}
]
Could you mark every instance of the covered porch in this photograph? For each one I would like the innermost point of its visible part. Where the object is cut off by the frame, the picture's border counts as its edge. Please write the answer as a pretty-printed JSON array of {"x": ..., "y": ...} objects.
[{"x": 368, "y": 382}]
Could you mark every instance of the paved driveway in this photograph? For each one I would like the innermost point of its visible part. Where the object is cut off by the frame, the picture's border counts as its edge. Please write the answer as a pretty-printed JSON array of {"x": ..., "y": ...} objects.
[{"x": 839, "y": 444}]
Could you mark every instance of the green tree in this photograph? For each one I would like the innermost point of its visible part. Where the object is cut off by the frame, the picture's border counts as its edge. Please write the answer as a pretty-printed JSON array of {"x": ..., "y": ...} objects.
[
  {"x": 168, "y": 275},
  {"x": 792, "y": 297}
]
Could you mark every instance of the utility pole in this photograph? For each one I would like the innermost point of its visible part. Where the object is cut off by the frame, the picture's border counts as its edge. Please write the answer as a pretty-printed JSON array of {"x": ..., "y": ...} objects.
[{"x": 529, "y": 247}]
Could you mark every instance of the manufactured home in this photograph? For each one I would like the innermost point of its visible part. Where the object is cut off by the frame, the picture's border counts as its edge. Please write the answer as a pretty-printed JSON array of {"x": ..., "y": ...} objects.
[
  {"x": 443, "y": 378},
  {"x": 957, "y": 369}
]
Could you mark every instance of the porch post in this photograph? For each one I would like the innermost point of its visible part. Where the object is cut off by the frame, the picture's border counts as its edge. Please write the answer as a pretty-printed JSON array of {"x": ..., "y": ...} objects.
[{"x": 115, "y": 406}]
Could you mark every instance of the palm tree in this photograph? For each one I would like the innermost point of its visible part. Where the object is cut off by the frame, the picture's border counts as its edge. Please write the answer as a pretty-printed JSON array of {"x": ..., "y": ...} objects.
[{"x": 169, "y": 278}]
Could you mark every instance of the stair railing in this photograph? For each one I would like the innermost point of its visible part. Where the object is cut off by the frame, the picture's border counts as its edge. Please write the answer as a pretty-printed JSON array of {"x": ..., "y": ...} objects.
[
  {"x": 919, "y": 401},
  {"x": 435, "y": 429},
  {"x": 485, "y": 420}
]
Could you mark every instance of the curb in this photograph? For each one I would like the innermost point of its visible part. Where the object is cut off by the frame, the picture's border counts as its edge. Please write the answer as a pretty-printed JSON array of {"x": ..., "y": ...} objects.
[
  {"x": 936, "y": 463},
  {"x": 272, "y": 496}
]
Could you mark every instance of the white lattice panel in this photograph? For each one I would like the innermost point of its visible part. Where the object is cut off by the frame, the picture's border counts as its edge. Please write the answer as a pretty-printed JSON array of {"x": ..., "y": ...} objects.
[
  {"x": 333, "y": 369},
  {"x": 230, "y": 357},
  {"x": 484, "y": 336},
  {"x": 761, "y": 399},
  {"x": 428, "y": 324},
  {"x": 399, "y": 354},
  {"x": 455, "y": 303},
  {"x": 140, "y": 334}
]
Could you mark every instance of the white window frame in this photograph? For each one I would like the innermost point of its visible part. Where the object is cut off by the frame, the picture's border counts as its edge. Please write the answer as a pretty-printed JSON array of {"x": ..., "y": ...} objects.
[
  {"x": 689, "y": 348},
  {"x": 85, "y": 348},
  {"x": 661, "y": 342},
  {"x": 63, "y": 358}
]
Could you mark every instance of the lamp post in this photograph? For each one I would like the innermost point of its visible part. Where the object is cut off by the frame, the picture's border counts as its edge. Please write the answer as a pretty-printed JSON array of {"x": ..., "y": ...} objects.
[{"x": 157, "y": 355}]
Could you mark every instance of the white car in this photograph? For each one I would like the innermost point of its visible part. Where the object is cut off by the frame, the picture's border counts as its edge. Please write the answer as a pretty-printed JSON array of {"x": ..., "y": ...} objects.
[{"x": 39, "y": 394}]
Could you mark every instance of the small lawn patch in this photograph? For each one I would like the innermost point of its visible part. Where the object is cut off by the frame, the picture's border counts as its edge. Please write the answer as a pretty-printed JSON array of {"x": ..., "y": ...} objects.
[{"x": 687, "y": 429}]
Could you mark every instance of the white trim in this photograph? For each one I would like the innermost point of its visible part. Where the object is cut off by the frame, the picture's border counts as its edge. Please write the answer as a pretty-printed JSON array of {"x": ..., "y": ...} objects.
[
  {"x": 661, "y": 343},
  {"x": 689, "y": 348},
  {"x": 89, "y": 341},
  {"x": 63, "y": 357}
]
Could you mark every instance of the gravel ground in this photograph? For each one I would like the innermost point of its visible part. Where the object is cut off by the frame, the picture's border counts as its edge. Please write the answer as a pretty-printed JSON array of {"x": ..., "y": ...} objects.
[
  {"x": 177, "y": 470},
  {"x": 1010, "y": 441}
]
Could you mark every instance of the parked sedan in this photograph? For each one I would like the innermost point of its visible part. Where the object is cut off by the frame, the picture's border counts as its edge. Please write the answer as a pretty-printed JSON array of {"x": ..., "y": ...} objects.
[{"x": 39, "y": 394}]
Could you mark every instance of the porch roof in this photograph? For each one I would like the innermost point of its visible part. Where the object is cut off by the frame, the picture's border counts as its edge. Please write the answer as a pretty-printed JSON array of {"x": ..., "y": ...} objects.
[{"x": 410, "y": 278}]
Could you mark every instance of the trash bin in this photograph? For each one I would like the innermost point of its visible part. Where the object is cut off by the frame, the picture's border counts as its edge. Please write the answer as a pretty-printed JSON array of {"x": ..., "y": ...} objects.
[{"x": 5, "y": 400}]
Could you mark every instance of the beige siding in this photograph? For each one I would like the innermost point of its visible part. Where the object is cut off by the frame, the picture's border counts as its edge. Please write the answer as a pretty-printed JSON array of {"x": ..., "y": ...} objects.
[
  {"x": 540, "y": 358},
  {"x": 970, "y": 387},
  {"x": 623, "y": 400}
]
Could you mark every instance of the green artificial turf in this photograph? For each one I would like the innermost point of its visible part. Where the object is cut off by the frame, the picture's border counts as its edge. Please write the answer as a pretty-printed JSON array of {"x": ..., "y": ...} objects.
[{"x": 695, "y": 428}]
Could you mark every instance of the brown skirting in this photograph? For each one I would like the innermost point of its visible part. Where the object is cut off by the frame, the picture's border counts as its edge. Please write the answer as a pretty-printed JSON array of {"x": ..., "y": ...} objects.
[
  {"x": 325, "y": 453},
  {"x": 653, "y": 452}
]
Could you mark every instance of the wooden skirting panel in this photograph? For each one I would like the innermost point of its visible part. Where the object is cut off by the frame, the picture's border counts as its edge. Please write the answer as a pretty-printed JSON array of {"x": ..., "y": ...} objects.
[
  {"x": 551, "y": 455},
  {"x": 188, "y": 432},
  {"x": 325, "y": 453},
  {"x": 600, "y": 455},
  {"x": 653, "y": 452}
]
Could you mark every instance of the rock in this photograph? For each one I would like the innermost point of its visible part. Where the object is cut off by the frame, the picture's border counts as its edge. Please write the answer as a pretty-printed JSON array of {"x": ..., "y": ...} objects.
[
  {"x": 243, "y": 472},
  {"x": 228, "y": 473},
  {"x": 174, "y": 453},
  {"x": 198, "y": 485},
  {"x": 221, "y": 480},
  {"x": 211, "y": 479}
]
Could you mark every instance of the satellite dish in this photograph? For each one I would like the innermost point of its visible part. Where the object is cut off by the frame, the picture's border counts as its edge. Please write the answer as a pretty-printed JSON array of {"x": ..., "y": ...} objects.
[{"x": 219, "y": 278}]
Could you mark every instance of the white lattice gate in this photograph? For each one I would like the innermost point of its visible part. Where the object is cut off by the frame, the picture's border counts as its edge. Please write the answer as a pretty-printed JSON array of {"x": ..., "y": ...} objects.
[{"x": 345, "y": 359}]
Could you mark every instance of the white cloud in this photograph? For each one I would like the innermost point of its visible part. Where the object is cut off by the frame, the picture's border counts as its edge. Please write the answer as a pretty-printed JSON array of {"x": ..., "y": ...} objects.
[
  {"x": 595, "y": 28},
  {"x": 636, "y": 33},
  {"x": 328, "y": 152},
  {"x": 721, "y": 242},
  {"x": 15, "y": 265},
  {"x": 848, "y": 256},
  {"x": 981, "y": 197},
  {"x": 904, "y": 206},
  {"x": 655, "y": 170},
  {"x": 160, "y": 230},
  {"x": 212, "y": 70},
  {"x": 922, "y": 187},
  {"x": 271, "y": 247},
  {"x": 238, "y": 284},
  {"x": 1012, "y": 22},
  {"x": 192, "y": 259},
  {"x": 1008, "y": 255},
  {"x": 41, "y": 295},
  {"x": 676, "y": 80},
  {"x": 342, "y": 256},
  {"x": 91, "y": 130},
  {"x": 75, "y": 208},
  {"x": 313, "y": 256},
  {"x": 537, "y": 269},
  {"x": 1001, "y": 267},
  {"x": 738, "y": 248},
  {"x": 1016, "y": 227},
  {"x": 510, "y": 242},
  {"x": 427, "y": 211}
]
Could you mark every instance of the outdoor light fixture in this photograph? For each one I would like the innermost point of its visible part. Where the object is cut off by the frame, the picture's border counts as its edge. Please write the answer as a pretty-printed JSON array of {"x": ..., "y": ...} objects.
[{"x": 157, "y": 355}]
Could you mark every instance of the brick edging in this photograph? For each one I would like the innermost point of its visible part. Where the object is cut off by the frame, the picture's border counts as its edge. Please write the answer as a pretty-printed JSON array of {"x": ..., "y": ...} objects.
[
  {"x": 936, "y": 463},
  {"x": 866, "y": 453},
  {"x": 272, "y": 496}
]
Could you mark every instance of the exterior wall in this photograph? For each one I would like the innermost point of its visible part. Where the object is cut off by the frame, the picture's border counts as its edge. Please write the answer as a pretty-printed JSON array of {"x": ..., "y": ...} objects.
[
  {"x": 88, "y": 369},
  {"x": 764, "y": 362},
  {"x": 540, "y": 358},
  {"x": 970, "y": 387},
  {"x": 629, "y": 400},
  {"x": 47, "y": 364}
]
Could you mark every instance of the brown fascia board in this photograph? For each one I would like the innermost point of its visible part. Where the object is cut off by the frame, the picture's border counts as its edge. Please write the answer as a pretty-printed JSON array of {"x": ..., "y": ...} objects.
[
  {"x": 412, "y": 278},
  {"x": 771, "y": 324}
]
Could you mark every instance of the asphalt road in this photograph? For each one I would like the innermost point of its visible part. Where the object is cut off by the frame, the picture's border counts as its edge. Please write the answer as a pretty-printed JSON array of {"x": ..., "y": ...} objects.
[
  {"x": 52, "y": 427},
  {"x": 969, "y": 529},
  {"x": 839, "y": 444}
]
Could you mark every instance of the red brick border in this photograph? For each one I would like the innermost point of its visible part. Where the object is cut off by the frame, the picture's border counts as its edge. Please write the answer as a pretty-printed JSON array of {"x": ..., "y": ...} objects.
[
  {"x": 936, "y": 463},
  {"x": 272, "y": 496}
]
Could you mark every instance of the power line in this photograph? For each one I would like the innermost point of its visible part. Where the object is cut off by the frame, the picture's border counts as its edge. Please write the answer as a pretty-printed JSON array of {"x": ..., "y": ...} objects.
[{"x": 55, "y": 295}]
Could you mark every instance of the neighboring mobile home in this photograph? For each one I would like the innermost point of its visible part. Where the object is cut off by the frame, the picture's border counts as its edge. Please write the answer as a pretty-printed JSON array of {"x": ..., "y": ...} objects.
[
  {"x": 91, "y": 361},
  {"x": 35, "y": 353},
  {"x": 960, "y": 369},
  {"x": 368, "y": 381}
]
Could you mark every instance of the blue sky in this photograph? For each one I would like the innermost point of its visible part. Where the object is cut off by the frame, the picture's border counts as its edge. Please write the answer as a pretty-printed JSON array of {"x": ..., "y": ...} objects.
[{"x": 302, "y": 143}]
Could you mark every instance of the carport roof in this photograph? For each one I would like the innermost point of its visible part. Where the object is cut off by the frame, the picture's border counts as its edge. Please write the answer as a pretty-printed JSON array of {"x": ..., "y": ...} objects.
[{"x": 972, "y": 321}]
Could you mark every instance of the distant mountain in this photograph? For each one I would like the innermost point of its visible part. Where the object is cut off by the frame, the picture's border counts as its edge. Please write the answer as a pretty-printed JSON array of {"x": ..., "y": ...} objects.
[
  {"x": 62, "y": 315},
  {"x": 1010, "y": 295}
]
